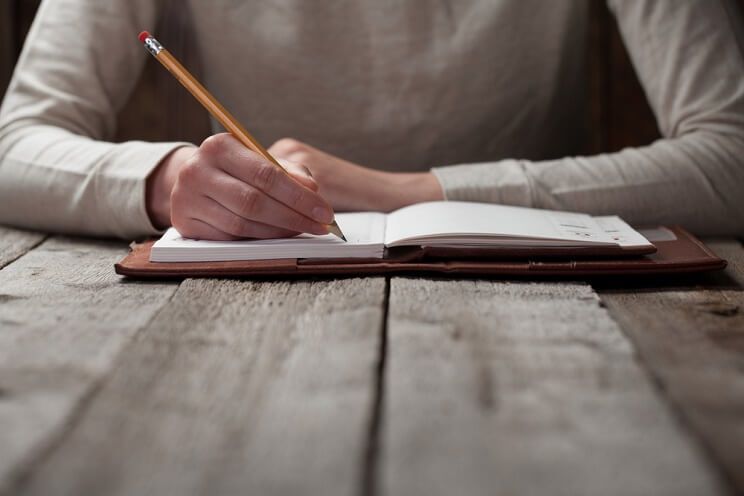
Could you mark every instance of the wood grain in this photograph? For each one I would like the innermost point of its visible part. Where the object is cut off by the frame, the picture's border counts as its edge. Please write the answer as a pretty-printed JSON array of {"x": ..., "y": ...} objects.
[
  {"x": 64, "y": 318},
  {"x": 690, "y": 335},
  {"x": 523, "y": 388},
  {"x": 236, "y": 388},
  {"x": 14, "y": 243}
]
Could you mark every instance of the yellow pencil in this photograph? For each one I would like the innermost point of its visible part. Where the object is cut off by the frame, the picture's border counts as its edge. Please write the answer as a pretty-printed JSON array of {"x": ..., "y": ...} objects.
[{"x": 213, "y": 106}]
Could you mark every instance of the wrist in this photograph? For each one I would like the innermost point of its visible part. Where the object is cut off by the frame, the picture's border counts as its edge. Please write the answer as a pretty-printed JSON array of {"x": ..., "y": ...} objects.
[
  {"x": 159, "y": 185},
  {"x": 409, "y": 188}
]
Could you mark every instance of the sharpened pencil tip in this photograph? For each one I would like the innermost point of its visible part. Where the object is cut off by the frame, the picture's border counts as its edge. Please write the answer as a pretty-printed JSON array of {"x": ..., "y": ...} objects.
[{"x": 334, "y": 229}]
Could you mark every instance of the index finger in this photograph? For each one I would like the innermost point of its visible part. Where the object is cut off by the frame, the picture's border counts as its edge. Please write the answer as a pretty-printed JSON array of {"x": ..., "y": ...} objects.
[{"x": 253, "y": 169}]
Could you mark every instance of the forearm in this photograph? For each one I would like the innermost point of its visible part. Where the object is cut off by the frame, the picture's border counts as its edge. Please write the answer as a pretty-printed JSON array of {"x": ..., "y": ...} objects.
[
  {"x": 53, "y": 180},
  {"x": 388, "y": 191},
  {"x": 690, "y": 65},
  {"x": 695, "y": 181},
  {"x": 58, "y": 172}
]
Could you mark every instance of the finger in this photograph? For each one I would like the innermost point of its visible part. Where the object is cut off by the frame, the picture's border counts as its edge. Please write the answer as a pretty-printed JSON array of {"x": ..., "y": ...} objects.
[
  {"x": 238, "y": 197},
  {"x": 285, "y": 147},
  {"x": 300, "y": 173},
  {"x": 212, "y": 213},
  {"x": 305, "y": 181},
  {"x": 296, "y": 167},
  {"x": 252, "y": 204},
  {"x": 289, "y": 147},
  {"x": 252, "y": 169},
  {"x": 198, "y": 229}
]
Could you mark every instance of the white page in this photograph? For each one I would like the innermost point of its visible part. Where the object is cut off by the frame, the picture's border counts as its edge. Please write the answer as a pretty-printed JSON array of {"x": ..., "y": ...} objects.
[
  {"x": 621, "y": 232},
  {"x": 364, "y": 231},
  {"x": 480, "y": 223}
]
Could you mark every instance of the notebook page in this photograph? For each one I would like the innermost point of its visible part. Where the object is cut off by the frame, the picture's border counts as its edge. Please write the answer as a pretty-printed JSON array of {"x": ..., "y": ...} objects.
[
  {"x": 364, "y": 231},
  {"x": 481, "y": 223},
  {"x": 621, "y": 232}
]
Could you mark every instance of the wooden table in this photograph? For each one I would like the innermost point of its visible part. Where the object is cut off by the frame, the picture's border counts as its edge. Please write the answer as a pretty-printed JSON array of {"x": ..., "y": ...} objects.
[{"x": 364, "y": 386}]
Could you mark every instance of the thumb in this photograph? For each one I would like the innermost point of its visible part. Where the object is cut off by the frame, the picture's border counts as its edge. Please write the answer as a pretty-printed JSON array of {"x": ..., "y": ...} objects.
[{"x": 300, "y": 173}]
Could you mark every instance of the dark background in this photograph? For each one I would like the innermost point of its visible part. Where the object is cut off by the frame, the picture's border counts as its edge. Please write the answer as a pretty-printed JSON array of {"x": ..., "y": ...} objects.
[{"x": 619, "y": 114}]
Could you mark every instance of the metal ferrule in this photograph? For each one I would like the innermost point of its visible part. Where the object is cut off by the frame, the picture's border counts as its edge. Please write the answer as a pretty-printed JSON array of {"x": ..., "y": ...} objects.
[{"x": 153, "y": 46}]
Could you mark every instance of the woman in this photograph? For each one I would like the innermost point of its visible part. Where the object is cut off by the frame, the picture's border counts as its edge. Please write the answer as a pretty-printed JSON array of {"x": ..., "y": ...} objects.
[{"x": 471, "y": 100}]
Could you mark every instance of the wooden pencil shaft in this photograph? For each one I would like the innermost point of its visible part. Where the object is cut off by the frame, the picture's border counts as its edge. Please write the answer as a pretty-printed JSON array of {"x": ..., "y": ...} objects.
[
  {"x": 214, "y": 107},
  {"x": 222, "y": 115}
]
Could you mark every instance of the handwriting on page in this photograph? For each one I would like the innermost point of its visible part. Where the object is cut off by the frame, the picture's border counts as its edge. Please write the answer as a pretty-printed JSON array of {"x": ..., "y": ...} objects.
[
  {"x": 576, "y": 225},
  {"x": 620, "y": 232}
]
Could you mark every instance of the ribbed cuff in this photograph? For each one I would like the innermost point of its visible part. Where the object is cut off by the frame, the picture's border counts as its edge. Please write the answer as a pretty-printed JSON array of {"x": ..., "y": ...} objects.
[{"x": 120, "y": 187}]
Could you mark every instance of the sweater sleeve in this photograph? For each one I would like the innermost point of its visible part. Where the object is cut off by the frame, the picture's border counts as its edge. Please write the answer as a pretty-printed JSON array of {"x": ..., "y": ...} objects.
[
  {"x": 689, "y": 58},
  {"x": 79, "y": 64}
]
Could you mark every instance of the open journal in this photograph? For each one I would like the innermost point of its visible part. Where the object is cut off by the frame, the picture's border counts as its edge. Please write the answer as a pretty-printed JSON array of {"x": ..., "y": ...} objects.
[{"x": 450, "y": 224}]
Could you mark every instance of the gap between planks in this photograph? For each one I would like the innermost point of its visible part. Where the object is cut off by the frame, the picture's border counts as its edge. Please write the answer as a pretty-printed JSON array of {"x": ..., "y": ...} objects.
[
  {"x": 374, "y": 450},
  {"x": 14, "y": 243},
  {"x": 65, "y": 317},
  {"x": 235, "y": 386},
  {"x": 523, "y": 388},
  {"x": 689, "y": 335},
  {"x": 370, "y": 468}
]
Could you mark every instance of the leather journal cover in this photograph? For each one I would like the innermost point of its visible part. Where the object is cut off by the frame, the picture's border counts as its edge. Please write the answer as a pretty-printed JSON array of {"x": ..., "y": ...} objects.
[{"x": 677, "y": 251}]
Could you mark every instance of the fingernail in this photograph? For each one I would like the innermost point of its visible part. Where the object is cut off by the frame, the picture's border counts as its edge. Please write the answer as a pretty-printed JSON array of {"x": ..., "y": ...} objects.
[{"x": 322, "y": 214}]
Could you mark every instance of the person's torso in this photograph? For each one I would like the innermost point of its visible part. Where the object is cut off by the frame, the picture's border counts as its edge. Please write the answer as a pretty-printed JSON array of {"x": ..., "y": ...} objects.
[{"x": 401, "y": 85}]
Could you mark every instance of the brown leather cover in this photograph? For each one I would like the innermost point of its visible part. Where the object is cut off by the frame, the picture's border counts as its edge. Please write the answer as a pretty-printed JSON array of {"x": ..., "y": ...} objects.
[{"x": 683, "y": 254}]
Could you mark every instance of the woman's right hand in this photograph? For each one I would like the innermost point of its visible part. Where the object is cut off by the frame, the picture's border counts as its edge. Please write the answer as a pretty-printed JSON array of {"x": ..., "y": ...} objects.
[{"x": 223, "y": 191}]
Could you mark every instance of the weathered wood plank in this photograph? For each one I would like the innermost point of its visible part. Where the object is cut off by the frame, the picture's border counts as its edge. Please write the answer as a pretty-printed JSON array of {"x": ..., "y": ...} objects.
[
  {"x": 691, "y": 338},
  {"x": 64, "y": 318},
  {"x": 523, "y": 388},
  {"x": 14, "y": 243},
  {"x": 236, "y": 387}
]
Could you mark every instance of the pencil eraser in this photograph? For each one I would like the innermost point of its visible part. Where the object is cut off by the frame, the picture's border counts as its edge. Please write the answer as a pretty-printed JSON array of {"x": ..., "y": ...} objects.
[{"x": 143, "y": 36}]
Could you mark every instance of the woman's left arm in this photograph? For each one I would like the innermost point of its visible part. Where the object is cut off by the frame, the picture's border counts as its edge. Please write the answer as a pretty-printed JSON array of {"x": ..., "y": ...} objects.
[{"x": 689, "y": 56}]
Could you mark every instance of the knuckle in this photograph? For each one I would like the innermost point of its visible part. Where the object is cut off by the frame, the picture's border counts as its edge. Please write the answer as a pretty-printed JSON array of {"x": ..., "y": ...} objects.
[
  {"x": 300, "y": 156},
  {"x": 189, "y": 171},
  {"x": 209, "y": 144},
  {"x": 214, "y": 144},
  {"x": 287, "y": 145},
  {"x": 264, "y": 175},
  {"x": 249, "y": 199},
  {"x": 238, "y": 226},
  {"x": 297, "y": 197}
]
